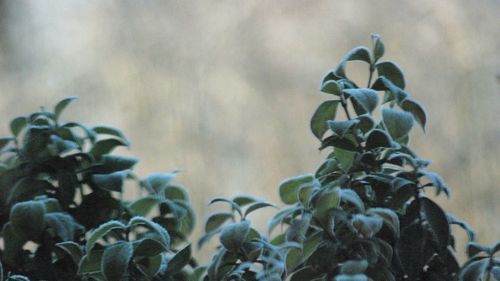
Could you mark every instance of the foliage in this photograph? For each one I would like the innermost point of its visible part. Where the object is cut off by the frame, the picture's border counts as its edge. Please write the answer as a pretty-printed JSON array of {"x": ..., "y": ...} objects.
[
  {"x": 61, "y": 190},
  {"x": 363, "y": 215}
]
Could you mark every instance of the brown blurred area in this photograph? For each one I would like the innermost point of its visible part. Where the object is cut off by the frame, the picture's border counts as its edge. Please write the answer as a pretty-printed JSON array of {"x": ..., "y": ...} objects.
[{"x": 224, "y": 90}]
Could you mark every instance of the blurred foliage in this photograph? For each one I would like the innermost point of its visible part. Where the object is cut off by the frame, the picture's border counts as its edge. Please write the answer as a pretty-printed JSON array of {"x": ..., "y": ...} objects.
[{"x": 248, "y": 71}]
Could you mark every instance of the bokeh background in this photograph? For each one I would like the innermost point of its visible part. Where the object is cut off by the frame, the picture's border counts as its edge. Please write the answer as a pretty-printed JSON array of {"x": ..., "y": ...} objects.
[{"x": 224, "y": 90}]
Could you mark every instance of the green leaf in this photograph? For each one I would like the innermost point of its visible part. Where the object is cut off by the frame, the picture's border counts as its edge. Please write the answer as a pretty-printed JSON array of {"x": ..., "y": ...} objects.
[
  {"x": 353, "y": 267},
  {"x": 280, "y": 216},
  {"x": 378, "y": 138},
  {"x": 5, "y": 141},
  {"x": 358, "y": 53},
  {"x": 416, "y": 110},
  {"x": 214, "y": 221},
  {"x": 180, "y": 260},
  {"x": 364, "y": 100},
  {"x": 110, "y": 182},
  {"x": 156, "y": 228},
  {"x": 356, "y": 277},
  {"x": 106, "y": 130},
  {"x": 17, "y": 277},
  {"x": 326, "y": 201},
  {"x": 474, "y": 248},
  {"x": 341, "y": 128},
  {"x": 29, "y": 211},
  {"x": 391, "y": 71},
  {"x": 331, "y": 87},
  {"x": 234, "y": 206},
  {"x": 72, "y": 249},
  {"x": 438, "y": 222},
  {"x": 288, "y": 189},
  {"x": 27, "y": 189},
  {"x": 234, "y": 235},
  {"x": 143, "y": 205},
  {"x": 158, "y": 182},
  {"x": 350, "y": 196},
  {"x": 149, "y": 247},
  {"x": 345, "y": 158},
  {"x": 367, "y": 225},
  {"x": 198, "y": 272},
  {"x": 473, "y": 271},
  {"x": 366, "y": 123},
  {"x": 90, "y": 264},
  {"x": 243, "y": 200},
  {"x": 151, "y": 266},
  {"x": 113, "y": 163},
  {"x": 389, "y": 216},
  {"x": 62, "y": 225},
  {"x": 378, "y": 47},
  {"x": 115, "y": 261},
  {"x": 436, "y": 181},
  {"x": 17, "y": 125},
  {"x": 298, "y": 229},
  {"x": 338, "y": 142},
  {"x": 105, "y": 146},
  {"x": 398, "y": 123},
  {"x": 256, "y": 206},
  {"x": 325, "y": 112},
  {"x": 13, "y": 244},
  {"x": 101, "y": 231},
  {"x": 176, "y": 192},
  {"x": 60, "y": 106}
]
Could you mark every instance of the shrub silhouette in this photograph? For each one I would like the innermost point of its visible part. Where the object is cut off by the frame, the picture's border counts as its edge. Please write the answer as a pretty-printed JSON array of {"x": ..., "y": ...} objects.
[{"x": 363, "y": 215}]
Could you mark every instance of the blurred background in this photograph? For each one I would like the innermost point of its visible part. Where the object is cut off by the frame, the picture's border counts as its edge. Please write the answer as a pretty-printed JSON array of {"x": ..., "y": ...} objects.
[{"x": 224, "y": 90}]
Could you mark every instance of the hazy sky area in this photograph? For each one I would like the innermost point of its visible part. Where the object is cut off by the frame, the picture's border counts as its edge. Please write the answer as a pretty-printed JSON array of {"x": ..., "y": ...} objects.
[{"x": 224, "y": 90}]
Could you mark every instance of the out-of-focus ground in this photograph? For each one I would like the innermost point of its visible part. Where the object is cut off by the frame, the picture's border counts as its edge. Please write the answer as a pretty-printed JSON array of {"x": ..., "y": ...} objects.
[{"x": 224, "y": 90}]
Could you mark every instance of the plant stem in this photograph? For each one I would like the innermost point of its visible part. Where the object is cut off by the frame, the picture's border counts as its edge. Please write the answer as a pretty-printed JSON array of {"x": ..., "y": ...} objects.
[
  {"x": 344, "y": 106},
  {"x": 372, "y": 69}
]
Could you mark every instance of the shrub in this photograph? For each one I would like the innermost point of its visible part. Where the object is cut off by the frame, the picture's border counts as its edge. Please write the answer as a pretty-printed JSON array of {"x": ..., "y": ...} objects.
[{"x": 363, "y": 215}]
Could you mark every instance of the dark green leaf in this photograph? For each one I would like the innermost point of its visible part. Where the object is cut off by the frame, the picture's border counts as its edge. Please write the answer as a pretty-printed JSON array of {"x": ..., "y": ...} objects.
[
  {"x": 365, "y": 100},
  {"x": 409, "y": 249},
  {"x": 473, "y": 271},
  {"x": 233, "y": 205},
  {"x": 331, "y": 87},
  {"x": 62, "y": 225},
  {"x": 378, "y": 47},
  {"x": 326, "y": 201},
  {"x": 101, "y": 231},
  {"x": 356, "y": 277},
  {"x": 391, "y": 71},
  {"x": 72, "y": 249},
  {"x": 367, "y": 225},
  {"x": 214, "y": 221},
  {"x": 243, "y": 200},
  {"x": 60, "y": 106},
  {"x": 105, "y": 146},
  {"x": 17, "y": 125},
  {"x": 143, "y": 205},
  {"x": 438, "y": 222},
  {"x": 350, "y": 196},
  {"x": 90, "y": 264},
  {"x": 298, "y": 229},
  {"x": 378, "y": 138},
  {"x": 13, "y": 244},
  {"x": 27, "y": 189},
  {"x": 353, "y": 267},
  {"x": 158, "y": 182},
  {"x": 156, "y": 228},
  {"x": 115, "y": 261},
  {"x": 389, "y": 216},
  {"x": 234, "y": 235},
  {"x": 288, "y": 189},
  {"x": 358, "y": 53},
  {"x": 416, "y": 110},
  {"x": 398, "y": 123},
  {"x": 325, "y": 112},
  {"x": 151, "y": 266},
  {"x": 337, "y": 142},
  {"x": 113, "y": 163},
  {"x": 149, "y": 246},
  {"x": 110, "y": 182},
  {"x": 341, "y": 128},
  {"x": 5, "y": 141},
  {"x": 29, "y": 211},
  {"x": 176, "y": 192},
  {"x": 256, "y": 206},
  {"x": 106, "y": 130},
  {"x": 474, "y": 248},
  {"x": 180, "y": 260}
]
